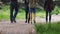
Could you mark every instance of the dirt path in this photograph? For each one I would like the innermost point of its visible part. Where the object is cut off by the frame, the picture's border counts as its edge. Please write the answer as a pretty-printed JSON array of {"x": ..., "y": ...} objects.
[
  {"x": 16, "y": 28},
  {"x": 55, "y": 18},
  {"x": 21, "y": 27}
]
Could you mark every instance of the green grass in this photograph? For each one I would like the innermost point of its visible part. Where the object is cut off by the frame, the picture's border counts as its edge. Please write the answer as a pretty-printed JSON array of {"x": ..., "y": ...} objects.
[
  {"x": 45, "y": 29},
  {"x": 56, "y": 10}
]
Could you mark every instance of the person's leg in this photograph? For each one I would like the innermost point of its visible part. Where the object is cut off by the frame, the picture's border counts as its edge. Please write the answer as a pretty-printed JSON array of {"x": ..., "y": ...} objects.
[
  {"x": 26, "y": 15},
  {"x": 15, "y": 14},
  {"x": 50, "y": 19},
  {"x": 31, "y": 15},
  {"x": 11, "y": 13},
  {"x": 34, "y": 17},
  {"x": 50, "y": 16},
  {"x": 46, "y": 16},
  {"x": 34, "y": 10}
]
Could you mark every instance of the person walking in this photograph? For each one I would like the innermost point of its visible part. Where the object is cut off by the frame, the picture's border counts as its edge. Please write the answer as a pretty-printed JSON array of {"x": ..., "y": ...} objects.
[
  {"x": 27, "y": 11},
  {"x": 48, "y": 7},
  {"x": 32, "y": 9},
  {"x": 13, "y": 6}
]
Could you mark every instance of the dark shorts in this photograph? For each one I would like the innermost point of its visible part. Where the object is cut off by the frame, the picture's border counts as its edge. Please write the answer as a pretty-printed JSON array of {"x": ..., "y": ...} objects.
[{"x": 32, "y": 10}]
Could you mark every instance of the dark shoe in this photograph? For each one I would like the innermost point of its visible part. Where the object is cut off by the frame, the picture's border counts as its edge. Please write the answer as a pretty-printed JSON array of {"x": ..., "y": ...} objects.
[
  {"x": 25, "y": 21},
  {"x": 11, "y": 21},
  {"x": 14, "y": 21}
]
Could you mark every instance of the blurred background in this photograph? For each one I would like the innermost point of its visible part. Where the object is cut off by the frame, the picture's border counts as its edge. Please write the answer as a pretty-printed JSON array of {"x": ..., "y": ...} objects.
[{"x": 5, "y": 9}]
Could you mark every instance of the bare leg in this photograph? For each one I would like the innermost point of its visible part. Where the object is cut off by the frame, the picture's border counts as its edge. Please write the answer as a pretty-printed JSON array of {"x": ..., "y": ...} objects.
[
  {"x": 28, "y": 17},
  {"x": 34, "y": 17},
  {"x": 31, "y": 17}
]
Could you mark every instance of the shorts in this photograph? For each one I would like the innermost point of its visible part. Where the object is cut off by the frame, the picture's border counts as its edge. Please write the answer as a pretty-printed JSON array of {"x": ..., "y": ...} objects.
[{"x": 32, "y": 10}]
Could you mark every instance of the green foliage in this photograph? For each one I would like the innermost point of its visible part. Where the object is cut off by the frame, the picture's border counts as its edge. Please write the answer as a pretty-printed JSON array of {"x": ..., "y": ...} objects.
[
  {"x": 44, "y": 28},
  {"x": 56, "y": 10}
]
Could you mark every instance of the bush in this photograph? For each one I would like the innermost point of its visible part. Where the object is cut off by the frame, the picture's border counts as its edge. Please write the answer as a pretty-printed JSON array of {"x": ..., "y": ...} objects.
[{"x": 56, "y": 10}]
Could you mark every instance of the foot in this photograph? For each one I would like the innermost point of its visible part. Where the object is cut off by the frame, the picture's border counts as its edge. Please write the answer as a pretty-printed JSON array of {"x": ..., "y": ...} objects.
[
  {"x": 25, "y": 21},
  {"x": 14, "y": 21},
  {"x": 11, "y": 21}
]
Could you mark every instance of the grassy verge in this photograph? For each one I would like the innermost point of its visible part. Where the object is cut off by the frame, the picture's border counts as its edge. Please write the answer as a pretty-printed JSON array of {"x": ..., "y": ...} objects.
[{"x": 44, "y": 28}]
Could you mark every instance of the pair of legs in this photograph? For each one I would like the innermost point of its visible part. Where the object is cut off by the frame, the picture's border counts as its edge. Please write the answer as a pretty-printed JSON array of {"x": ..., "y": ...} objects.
[
  {"x": 48, "y": 13},
  {"x": 32, "y": 10},
  {"x": 27, "y": 13},
  {"x": 27, "y": 17},
  {"x": 13, "y": 16}
]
